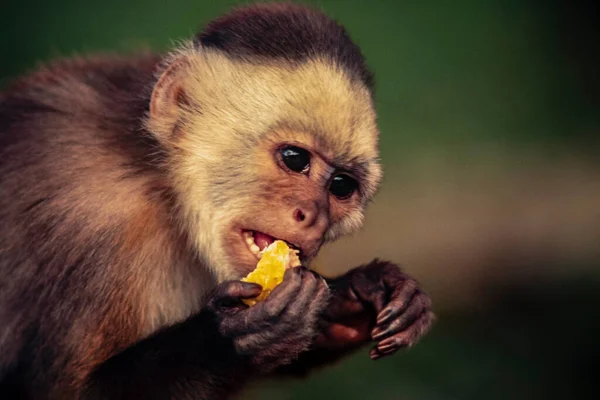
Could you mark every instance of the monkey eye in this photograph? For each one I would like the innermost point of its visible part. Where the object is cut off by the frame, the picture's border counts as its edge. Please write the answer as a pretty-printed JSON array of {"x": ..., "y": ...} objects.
[
  {"x": 343, "y": 186},
  {"x": 296, "y": 158}
]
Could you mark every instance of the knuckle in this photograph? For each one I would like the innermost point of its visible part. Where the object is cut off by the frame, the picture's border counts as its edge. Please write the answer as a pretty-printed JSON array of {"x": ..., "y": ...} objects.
[
  {"x": 410, "y": 285},
  {"x": 392, "y": 342},
  {"x": 396, "y": 279},
  {"x": 406, "y": 339},
  {"x": 308, "y": 275},
  {"x": 398, "y": 303},
  {"x": 400, "y": 341},
  {"x": 423, "y": 300},
  {"x": 272, "y": 309},
  {"x": 426, "y": 301},
  {"x": 289, "y": 274},
  {"x": 311, "y": 284},
  {"x": 323, "y": 282},
  {"x": 227, "y": 288},
  {"x": 286, "y": 283},
  {"x": 395, "y": 324},
  {"x": 413, "y": 282},
  {"x": 295, "y": 273},
  {"x": 429, "y": 319},
  {"x": 227, "y": 284},
  {"x": 293, "y": 280},
  {"x": 323, "y": 294}
]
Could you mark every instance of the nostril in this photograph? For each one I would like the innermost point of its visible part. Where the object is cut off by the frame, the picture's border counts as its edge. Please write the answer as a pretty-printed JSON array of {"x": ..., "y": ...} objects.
[{"x": 299, "y": 215}]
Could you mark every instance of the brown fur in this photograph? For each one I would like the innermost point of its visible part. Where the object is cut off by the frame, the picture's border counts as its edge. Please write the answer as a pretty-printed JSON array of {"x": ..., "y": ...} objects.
[
  {"x": 285, "y": 32},
  {"x": 121, "y": 186}
]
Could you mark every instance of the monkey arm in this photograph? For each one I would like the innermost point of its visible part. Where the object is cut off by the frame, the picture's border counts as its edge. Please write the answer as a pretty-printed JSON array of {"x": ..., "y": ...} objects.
[
  {"x": 216, "y": 352},
  {"x": 187, "y": 360}
]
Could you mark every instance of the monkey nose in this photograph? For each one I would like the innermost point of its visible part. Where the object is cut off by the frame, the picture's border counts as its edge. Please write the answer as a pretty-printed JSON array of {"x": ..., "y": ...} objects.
[{"x": 306, "y": 214}]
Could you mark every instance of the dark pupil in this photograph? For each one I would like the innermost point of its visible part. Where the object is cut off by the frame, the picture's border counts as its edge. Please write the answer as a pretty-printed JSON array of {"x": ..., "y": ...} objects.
[
  {"x": 295, "y": 158},
  {"x": 342, "y": 186}
]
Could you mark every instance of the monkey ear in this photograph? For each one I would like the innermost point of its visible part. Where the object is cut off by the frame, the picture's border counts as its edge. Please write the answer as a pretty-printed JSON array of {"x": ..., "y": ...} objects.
[{"x": 168, "y": 99}]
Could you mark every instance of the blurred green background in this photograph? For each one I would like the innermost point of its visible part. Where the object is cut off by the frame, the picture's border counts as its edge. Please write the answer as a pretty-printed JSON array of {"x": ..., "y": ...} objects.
[{"x": 490, "y": 136}]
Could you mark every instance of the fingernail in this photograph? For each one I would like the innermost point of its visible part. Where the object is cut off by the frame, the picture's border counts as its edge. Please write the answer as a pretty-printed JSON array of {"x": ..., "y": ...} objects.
[
  {"x": 386, "y": 342},
  {"x": 385, "y": 347},
  {"x": 378, "y": 333},
  {"x": 383, "y": 315}
]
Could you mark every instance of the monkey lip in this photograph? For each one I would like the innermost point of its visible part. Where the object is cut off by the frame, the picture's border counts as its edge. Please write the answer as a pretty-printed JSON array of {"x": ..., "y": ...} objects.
[{"x": 258, "y": 241}]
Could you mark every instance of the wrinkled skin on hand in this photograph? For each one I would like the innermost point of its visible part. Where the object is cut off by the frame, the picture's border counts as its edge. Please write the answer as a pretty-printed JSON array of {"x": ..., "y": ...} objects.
[
  {"x": 273, "y": 332},
  {"x": 305, "y": 324},
  {"x": 375, "y": 302}
]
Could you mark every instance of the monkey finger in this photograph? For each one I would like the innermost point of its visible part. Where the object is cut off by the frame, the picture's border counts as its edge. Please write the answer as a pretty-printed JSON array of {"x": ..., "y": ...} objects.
[
  {"x": 270, "y": 338},
  {"x": 409, "y": 336},
  {"x": 250, "y": 343},
  {"x": 263, "y": 315},
  {"x": 401, "y": 297},
  {"x": 374, "y": 282},
  {"x": 321, "y": 296},
  {"x": 246, "y": 321},
  {"x": 306, "y": 294},
  {"x": 284, "y": 293},
  {"x": 238, "y": 289},
  {"x": 370, "y": 292},
  {"x": 388, "y": 351},
  {"x": 418, "y": 305},
  {"x": 229, "y": 293},
  {"x": 375, "y": 354}
]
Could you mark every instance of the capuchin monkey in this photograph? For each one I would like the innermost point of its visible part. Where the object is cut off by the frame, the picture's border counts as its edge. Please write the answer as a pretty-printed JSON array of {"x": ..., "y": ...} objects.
[{"x": 137, "y": 191}]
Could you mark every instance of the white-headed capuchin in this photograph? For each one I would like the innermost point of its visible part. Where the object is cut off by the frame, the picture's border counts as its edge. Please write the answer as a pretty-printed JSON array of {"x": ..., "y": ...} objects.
[{"x": 135, "y": 192}]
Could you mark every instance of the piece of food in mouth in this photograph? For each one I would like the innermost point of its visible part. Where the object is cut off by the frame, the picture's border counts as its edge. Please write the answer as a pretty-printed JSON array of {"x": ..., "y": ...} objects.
[{"x": 269, "y": 271}]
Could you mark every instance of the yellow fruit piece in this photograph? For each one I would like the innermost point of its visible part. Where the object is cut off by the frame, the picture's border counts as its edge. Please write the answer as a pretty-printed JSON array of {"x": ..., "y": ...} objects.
[{"x": 269, "y": 271}]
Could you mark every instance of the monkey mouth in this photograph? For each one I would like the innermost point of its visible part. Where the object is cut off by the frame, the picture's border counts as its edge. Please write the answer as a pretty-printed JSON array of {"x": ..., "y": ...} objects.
[{"x": 257, "y": 242}]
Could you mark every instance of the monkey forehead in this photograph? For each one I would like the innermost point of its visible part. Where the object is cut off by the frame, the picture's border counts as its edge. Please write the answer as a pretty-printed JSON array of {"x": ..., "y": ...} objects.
[
  {"x": 241, "y": 101},
  {"x": 284, "y": 31}
]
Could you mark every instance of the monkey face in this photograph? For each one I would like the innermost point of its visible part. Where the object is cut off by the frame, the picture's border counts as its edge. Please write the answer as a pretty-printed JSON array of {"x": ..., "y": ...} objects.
[
  {"x": 265, "y": 151},
  {"x": 294, "y": 192}
]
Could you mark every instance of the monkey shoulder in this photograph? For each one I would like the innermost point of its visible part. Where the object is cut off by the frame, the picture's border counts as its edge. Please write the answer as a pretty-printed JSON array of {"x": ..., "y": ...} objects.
[{"x": 106, "y": 86}]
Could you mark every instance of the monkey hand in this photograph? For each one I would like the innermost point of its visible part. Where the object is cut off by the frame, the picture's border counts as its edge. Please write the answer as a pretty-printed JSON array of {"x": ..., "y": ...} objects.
[
  {"x": 379, "y": 302},
  {"x": 273, "y": 332}
]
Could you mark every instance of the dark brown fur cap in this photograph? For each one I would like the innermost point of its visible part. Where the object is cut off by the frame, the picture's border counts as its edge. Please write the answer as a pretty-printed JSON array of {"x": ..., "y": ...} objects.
[{"x": 286, "y": 31}]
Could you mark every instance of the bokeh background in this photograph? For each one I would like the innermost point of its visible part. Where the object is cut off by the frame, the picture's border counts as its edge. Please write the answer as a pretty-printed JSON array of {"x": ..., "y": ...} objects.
[{"x": 490, "y": 121}]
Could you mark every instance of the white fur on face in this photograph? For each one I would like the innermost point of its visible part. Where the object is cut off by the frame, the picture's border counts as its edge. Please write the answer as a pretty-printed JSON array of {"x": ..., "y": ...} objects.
[{"x": 232, "y": 105}]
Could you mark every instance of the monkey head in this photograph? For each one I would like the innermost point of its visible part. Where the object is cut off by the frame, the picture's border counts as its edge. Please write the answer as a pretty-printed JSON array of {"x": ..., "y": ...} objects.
[{"x": 266, "y": 139}]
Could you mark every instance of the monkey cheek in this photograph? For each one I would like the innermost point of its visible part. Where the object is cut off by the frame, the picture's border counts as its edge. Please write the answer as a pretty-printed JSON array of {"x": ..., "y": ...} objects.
[
  {"x": 236, "y": 263},
  {"x": 240, "y": 260}
]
